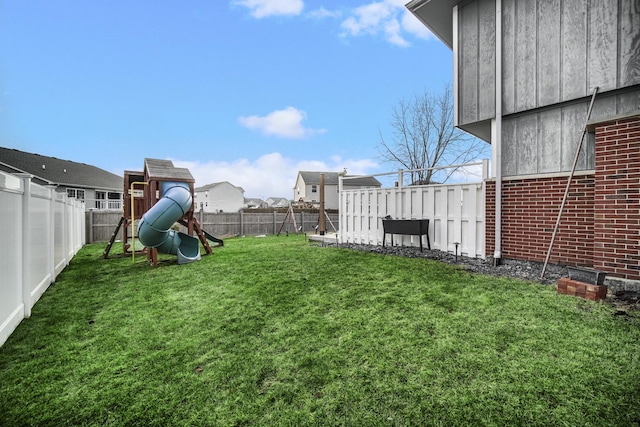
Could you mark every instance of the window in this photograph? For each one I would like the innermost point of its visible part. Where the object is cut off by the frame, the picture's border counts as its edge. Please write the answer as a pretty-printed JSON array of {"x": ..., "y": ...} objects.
[
  {"x": 75, "y": 193},
  {"x": 101, "y": 197},
  {"x": 314, "y": 188}
]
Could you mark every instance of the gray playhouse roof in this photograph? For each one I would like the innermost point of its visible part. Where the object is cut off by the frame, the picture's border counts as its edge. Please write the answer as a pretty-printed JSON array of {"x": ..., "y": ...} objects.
[{"x": 164, "y": 169}]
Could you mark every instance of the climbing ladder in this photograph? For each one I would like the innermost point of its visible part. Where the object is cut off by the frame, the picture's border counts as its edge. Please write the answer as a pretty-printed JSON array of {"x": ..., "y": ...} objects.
[{"x": 113, "y": 237}]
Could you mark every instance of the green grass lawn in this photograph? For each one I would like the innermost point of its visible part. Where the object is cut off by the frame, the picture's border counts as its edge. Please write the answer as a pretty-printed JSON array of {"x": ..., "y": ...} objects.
[{"x": 278, "y": 331}]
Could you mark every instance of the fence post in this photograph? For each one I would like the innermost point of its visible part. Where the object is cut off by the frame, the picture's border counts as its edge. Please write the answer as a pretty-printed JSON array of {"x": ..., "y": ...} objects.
[
  {"x": 65, "y": 232},
  {"x": 26, "y": 240},
  {"x": 275, "y": 227},
  {"x": 52, "y": 227},
  {"x": 242, "y": 223},
  {"x": 90, "y": 214}
]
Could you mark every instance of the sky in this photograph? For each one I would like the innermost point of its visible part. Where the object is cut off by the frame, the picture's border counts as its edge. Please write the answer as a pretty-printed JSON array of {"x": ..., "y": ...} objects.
[{"x": 244, "y": 91}]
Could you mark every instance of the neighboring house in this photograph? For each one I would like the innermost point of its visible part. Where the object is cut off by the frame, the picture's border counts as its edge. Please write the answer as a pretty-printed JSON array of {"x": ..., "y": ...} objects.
[
  {"x": 98, "y": 188},
  {"x": 219, "y": 197},
  {"x": 524, "y": 73},
  {"x": 253, "y": 203},
  {"x": 278, "y": 202},
  {"x": 307, "y": 188}
]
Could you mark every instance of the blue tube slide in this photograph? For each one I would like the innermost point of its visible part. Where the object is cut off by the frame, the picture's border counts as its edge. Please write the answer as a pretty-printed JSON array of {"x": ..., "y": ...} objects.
[{"x": 154, "y": 229}]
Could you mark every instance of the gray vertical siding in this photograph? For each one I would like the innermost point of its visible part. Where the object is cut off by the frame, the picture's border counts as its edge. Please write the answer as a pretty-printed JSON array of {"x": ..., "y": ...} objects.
[
  {"x": 550, "y": 143},
  {"x": 476, "y": 56},
  {"x": 629, "y": 73},
  {"x": 548, "y": 87},
  {"x": 545, "y": 141},
  {"x": 487, "y": 63},
  {"x": 554, "y": 52},
  {"x": 526, "y": 143},
  {"x": 468, "y": 70},
  {"x": 559, "y": 50},
  {"x": 573, "y": 83},
  {"x": 524, "y": 40},
  {"x": 509, "y": 151},
  {"x": 573, "y": 117},
  {"x": 602, "y": 44}
]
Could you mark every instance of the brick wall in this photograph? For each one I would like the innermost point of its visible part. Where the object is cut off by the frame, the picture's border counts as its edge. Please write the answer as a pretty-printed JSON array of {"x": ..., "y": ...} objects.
[
  {"x": 600, "y": 225},
  {"x": 529, "y": 213},
  {"x": 617, "y": 198}
]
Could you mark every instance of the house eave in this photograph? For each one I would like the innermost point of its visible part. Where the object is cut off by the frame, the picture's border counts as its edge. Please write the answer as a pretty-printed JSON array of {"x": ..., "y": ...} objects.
[{"x": 437, "y": 16}]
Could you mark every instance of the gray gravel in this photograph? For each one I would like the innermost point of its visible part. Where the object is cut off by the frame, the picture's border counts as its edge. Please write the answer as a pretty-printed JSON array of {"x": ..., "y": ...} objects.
[{"x": 524, "y": 270}]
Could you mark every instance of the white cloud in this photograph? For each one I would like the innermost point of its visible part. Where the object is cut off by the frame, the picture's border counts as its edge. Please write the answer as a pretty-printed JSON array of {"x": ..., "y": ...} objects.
[
  {"x": 324, "y": 13},
  {"x": 265, "y": 8},
  {"x": 271, "y": 175},
  {"x": 387, "y": 17},
  {"x": 368, "y": 19},
  {"x": 285, "y": 123},
  {"x": 412, "y": 25}
]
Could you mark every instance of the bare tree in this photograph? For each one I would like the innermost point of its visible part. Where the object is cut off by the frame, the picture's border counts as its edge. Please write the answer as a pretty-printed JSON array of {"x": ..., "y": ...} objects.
[{"x": 423, "y": 137}]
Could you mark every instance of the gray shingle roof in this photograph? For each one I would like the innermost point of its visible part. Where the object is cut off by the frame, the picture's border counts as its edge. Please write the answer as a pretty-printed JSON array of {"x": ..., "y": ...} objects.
[
  {"x": 51, "y": 170},
  {"x": 331, "y": 178},
  {"x": 164, "y": 169}
]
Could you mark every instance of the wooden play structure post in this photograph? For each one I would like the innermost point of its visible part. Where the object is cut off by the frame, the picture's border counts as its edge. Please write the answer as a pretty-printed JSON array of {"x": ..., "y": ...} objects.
[
  {"x": 133, "y": 214},
  {"x": 127, "y": 221}
]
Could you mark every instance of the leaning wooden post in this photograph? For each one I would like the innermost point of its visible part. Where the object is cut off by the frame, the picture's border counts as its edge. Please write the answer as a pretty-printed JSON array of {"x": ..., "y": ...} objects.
[
  {"x": 566, "y": 190},
  {"x": 321, "y": 220}
]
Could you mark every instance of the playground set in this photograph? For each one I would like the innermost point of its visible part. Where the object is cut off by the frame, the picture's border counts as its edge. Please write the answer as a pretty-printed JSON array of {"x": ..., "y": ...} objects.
[{"x": 156, "y": 199}]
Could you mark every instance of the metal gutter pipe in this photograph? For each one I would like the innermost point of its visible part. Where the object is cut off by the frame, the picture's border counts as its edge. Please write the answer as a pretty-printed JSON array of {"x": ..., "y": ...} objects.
[{"x": 497, "y": 143}]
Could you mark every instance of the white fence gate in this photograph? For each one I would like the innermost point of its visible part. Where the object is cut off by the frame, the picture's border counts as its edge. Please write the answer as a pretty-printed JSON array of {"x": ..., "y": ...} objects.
[
  {"x": 41, "y": 231},
  {"x": 455, "y": 211}
]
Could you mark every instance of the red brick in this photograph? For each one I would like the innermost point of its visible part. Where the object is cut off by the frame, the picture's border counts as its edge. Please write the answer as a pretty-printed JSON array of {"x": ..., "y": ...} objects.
[{"x": 581, "y": 289}]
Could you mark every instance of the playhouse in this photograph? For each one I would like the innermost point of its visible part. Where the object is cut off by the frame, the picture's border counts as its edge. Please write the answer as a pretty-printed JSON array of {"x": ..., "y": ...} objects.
[{"x": 154, "y": 200}]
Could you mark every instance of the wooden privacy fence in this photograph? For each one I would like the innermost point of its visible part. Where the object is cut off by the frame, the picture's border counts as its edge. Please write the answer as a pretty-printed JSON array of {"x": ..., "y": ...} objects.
[
  {"x": 41, "y": 232},
  {"x": 455, "y": 213},
  {"x": 100, "y": 224}
]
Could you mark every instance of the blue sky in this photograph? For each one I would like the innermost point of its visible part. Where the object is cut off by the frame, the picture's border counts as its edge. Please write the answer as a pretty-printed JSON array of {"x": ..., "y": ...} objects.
[{"x": 245, "y": 91}]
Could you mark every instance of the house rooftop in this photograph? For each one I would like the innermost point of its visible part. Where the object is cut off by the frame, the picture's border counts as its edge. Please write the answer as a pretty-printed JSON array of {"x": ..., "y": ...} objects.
[
  {"x": 215, "y": 184},
  {"x": 331, "y": 178},
  {"x": 54, "y": 171},
  {"x": 437, "y": 15}
]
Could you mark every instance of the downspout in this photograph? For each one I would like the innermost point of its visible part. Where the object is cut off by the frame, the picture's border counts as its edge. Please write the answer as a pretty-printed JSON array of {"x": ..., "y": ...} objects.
[
  {"x": 454, "y": 33},
  {"x": 497, "y": 138}
]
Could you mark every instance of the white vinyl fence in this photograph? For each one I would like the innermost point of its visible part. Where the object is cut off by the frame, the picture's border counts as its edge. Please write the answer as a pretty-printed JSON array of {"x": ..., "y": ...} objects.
[
  {"x": 41, "y": 231},
  {"x": 455, "y": 211}
]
